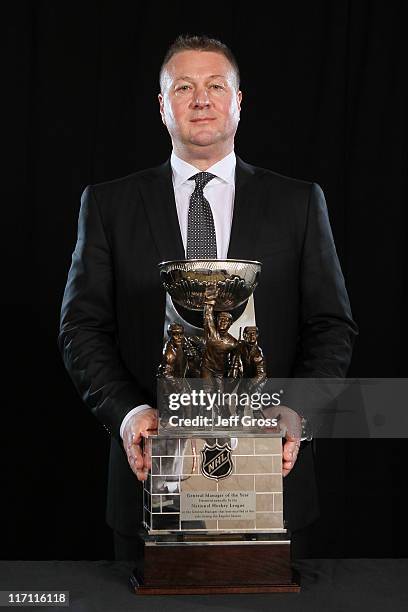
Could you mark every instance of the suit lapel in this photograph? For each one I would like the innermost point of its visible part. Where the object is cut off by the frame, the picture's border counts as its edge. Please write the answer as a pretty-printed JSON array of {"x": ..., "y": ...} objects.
[
  {"x": 246, "y": 216},
  {"x": 160, "y": 205}
]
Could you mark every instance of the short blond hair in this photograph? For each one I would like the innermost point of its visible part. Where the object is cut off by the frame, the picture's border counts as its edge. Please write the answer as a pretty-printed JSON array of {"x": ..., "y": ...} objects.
[{"x": 186, "y": 42}]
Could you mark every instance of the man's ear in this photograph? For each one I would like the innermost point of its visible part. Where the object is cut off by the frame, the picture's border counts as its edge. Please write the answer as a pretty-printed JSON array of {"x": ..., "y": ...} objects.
[
  {"x": 239, "y": 98},
  {"x": 161, "y": 104}
]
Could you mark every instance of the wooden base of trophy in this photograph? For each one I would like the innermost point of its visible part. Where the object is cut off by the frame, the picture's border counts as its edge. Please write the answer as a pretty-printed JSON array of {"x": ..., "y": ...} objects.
[{"x": 214, "y": 566}]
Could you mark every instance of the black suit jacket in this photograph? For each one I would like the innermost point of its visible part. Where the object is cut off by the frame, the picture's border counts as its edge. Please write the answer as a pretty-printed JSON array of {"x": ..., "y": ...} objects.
[{"x": 113, "y": 309}]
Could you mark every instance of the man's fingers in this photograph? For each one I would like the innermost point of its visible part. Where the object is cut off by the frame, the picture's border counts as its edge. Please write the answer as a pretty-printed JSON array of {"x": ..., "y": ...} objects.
[
  {"x": 148, "y": 425},
  {"x": 135, "y": 456},
  {"x": 148, "y": 431},
  {"x": 290, "y": 449},
  {"x": 137, "y": 462},
  {"x": 142, "y": 474},
  {"x": 140, "y": 426},
  {"x": 131, "y": 452},
  {"x": 147, "y": 458},
  {"x": 289, "y": 454},
  {"x": 146, "y": 428}
]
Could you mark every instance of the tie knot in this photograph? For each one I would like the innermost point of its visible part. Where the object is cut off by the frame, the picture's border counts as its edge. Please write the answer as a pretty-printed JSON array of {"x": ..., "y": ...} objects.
[{"x": 202, "y": 178}]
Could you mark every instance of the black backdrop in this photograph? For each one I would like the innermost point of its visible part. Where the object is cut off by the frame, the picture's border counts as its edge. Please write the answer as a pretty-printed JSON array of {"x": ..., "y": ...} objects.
[{"x": 324, "y": 87}]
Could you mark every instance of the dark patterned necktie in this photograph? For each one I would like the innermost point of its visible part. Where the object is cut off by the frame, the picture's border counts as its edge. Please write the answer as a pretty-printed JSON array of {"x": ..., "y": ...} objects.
[{"x": 201, "y": 239}]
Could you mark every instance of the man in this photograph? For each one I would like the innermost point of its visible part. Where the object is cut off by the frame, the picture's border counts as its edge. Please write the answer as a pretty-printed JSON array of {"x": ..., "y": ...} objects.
[
  {"x": 250, "y": 362},
  {"x": 219, "y": 344},
  {"x": 174, "y": 363},
  {"x": 112, "y": 314},
  {"x": 253, "y": 361},
  {"x": 219, "y": 348}
]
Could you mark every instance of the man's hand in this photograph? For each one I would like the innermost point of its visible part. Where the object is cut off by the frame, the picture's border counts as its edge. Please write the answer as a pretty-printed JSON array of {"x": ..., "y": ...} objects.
[
  {"x": 211, "y": 292},
  {"x": 290, "y": 424},
  {"x": 139, "y": 426},
  {"x": 289, "y": 453}
]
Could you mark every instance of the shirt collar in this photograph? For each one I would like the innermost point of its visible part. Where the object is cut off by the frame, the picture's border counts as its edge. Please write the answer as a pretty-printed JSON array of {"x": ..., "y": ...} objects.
[{"x": 223, "y": 169}]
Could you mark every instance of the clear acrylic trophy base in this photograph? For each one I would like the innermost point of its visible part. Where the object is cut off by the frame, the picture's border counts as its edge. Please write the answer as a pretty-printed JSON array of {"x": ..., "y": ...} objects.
[{"x": 213, "y": 515}]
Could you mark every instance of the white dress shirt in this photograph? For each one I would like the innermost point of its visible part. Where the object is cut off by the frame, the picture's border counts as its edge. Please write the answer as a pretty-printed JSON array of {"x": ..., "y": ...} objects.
[{"x": 219, "y": 192}]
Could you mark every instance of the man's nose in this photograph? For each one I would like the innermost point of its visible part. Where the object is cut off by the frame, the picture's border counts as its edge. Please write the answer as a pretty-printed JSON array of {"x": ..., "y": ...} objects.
[{"x": 200, "y": 98}]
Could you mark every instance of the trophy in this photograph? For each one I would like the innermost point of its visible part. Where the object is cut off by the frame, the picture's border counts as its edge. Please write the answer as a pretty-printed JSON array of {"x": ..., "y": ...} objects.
[{"x": 213, "y": 500}]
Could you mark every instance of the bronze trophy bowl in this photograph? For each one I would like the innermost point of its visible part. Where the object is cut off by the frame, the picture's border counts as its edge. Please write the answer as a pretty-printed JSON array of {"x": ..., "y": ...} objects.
[{"x": 186, "y": 281}]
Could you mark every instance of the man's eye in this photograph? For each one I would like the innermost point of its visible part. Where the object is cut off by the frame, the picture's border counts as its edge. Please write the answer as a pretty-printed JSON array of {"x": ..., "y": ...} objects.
[
  {"x": 183, "y": 88},
  {"x": 216, "y": 86}
]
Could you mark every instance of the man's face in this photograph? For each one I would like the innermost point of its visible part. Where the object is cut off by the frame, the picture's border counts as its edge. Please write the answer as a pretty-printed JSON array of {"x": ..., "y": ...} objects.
[
  {"x": 223, "y": 323},
  {"x": 251, "y": 336},
  {"x": 177, "y": 337},
  {"x": 200, "y": 104}
]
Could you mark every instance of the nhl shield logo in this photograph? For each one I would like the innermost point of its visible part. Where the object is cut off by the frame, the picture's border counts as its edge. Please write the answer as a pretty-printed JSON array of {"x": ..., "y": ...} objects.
[{"x": 216, "y": 461}]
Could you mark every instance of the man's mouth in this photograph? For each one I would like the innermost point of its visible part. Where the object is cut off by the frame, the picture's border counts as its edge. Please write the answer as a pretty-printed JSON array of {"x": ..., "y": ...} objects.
[{"x": 202, "y": 119}]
